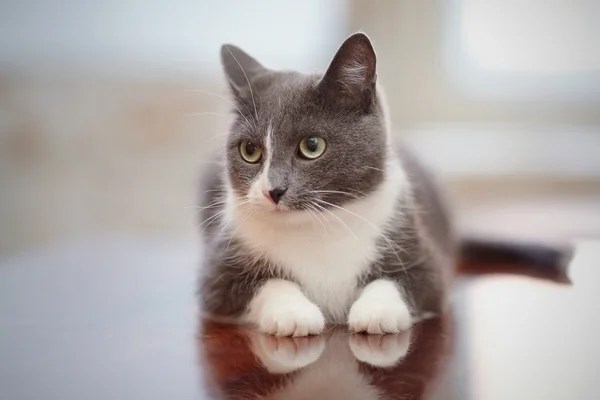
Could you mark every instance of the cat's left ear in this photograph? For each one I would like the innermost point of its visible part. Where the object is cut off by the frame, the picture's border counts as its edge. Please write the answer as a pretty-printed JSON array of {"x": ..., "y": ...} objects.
[
  {"x": 240, "y": 68},
  {"x": 351, "y": 77}
]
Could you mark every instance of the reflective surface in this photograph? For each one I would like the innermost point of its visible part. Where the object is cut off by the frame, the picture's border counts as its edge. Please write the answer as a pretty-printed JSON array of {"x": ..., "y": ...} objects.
[
  {"x": 118, "y": 320},
  {"x": 336, "y": 365}
]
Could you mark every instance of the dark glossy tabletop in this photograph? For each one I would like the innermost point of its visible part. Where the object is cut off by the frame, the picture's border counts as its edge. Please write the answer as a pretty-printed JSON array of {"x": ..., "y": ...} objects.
[{"x": 117, "y": 319}]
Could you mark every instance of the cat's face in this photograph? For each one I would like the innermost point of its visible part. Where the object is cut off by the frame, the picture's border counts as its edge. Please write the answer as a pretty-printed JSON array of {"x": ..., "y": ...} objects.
[{"x": 303, "y": 143}]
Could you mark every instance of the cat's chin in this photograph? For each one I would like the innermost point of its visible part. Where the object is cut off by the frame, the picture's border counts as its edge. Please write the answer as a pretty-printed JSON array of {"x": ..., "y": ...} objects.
[
  {"x": 275, "y": 210},
  {"x": 282, "y": 210},
  {"x": 287, "y": 216}
]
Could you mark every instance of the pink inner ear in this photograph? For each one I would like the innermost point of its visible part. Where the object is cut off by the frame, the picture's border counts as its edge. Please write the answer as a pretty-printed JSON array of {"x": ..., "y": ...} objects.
[
  {"x": 354, "y": 63},
  {"x": 353, "y": 76}
]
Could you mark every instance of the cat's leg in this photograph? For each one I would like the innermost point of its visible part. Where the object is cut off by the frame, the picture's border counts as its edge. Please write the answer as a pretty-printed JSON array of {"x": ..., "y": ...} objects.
[
  {"x": 280, "y": 308},
  {"x": 380, "y": 309}
]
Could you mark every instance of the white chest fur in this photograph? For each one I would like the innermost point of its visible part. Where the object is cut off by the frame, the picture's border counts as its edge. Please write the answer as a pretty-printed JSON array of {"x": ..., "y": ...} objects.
[{"x": 326, "y": 256}]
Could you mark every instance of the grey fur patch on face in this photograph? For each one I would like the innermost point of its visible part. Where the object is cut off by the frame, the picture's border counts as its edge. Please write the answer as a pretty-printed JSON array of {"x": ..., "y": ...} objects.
[{"x": 276, "y": 110}]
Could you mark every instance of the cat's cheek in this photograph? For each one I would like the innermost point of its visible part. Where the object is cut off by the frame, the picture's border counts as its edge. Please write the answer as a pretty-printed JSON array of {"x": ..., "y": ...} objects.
[
  {"x": 379, "y": 309},
  {"x": 281, "y": 309}
]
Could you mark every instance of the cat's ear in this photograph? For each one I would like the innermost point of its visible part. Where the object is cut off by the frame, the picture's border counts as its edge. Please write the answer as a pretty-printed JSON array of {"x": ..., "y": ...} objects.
[
  {"x": 239, "y": 67},
  {"x": 351, "y": 76}
]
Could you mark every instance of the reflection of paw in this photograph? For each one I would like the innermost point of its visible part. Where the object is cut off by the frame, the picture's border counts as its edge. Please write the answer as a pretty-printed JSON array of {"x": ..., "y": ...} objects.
[
  {"x": 380, "y": 350},
  {"x": 284, "y": 355},
  {"x": 371, "y": 315},
  {"x": 299, "y": 317}
]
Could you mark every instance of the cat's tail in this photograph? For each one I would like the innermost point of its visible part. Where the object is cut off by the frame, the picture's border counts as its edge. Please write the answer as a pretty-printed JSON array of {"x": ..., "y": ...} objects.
[{"x": 488, "y": 256}]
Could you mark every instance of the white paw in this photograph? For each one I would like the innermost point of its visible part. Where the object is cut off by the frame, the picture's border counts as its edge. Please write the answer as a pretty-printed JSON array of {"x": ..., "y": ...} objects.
[
  {"x": 280, "y": 308},
  {"x": 377, "y": 318},
  {"x": 297, "y": 317},
  {"x": 380, "y": 309},
  {"x": 285, "y": 355},
  {"x": 380, "y": 350}
]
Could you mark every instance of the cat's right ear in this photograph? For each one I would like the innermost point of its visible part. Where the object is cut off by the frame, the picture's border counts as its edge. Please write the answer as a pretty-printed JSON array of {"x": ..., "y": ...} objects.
[
  {"x": 239, "y": 67},
  {"x": 350, "y": 79}
]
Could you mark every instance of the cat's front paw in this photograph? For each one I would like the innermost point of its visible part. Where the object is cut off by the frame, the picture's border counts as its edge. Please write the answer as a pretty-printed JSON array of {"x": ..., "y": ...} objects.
[
  {"x": 297, "y": 317},
  {"x": 380, "y": 309},
  {"x": 377, "y": 318},
  {"x": 281, "y": 309}
]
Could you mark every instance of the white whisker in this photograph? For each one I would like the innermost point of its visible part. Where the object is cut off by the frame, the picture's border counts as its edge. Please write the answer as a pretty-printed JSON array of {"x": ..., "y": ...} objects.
[
  {"x": 244, "y": 203},
  {"x": 222, "y": 98},
  {"x": 199, "y": 208},
  {"x": 335, "y": 192},
  {"x": 247, "y": 80},
  {"x": 390, "y": 245},
  {"x": 336, "y": 217},
  {"x": 212, "y": 219},
  {"x": 309, "y": 209},
  {"x": 238, "y": 227},
  {"x": 216, "y": 216}
]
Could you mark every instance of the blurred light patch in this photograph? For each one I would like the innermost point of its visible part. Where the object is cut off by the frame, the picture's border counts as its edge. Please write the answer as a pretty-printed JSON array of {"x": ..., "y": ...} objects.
[
  {"x": 179, "y": 36},
  {"x": 524, "y": 50},
  {"x": 532, "y": 36}
]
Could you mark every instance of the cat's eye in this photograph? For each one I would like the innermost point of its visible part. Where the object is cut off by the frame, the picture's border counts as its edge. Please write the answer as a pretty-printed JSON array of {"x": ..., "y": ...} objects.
[
  {"x": 250, "y": 152},
  {"x": 312, "y": 147}
]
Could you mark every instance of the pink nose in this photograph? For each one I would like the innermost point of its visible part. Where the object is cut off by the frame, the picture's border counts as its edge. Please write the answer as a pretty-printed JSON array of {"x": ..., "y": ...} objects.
[
  {"x": 268, "y": 196},
  {"x": 275, "y": 194}
]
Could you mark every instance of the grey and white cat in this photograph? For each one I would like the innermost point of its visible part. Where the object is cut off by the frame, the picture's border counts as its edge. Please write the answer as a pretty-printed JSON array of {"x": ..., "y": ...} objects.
[{"x": 318, "y": 215}]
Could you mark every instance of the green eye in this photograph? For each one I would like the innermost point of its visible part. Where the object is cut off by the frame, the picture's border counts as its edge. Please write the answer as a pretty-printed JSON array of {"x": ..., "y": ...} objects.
[
  {"x": 250, "y": 152},
  {"x": 312, "y": 147}
]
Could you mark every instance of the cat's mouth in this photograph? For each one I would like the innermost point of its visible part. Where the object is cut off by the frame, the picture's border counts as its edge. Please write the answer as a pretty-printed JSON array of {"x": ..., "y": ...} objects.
[{"x": 276, "y": 209}]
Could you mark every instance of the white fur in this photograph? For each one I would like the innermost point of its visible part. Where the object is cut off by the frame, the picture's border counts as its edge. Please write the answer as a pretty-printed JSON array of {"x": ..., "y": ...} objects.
[
  {"x": 285, "y": 355},
  {"x": 279, "y": 308},
  {"x": 334, "y": 375},
  {"x": 325, "y": 256},
  {"x": 326, "y": 366},
  {"x": 380, "y": 309},
  {"x": 354, "y": 73},
  {"x": 262, "y": 184},
  {"x": 382, "y": 351}
]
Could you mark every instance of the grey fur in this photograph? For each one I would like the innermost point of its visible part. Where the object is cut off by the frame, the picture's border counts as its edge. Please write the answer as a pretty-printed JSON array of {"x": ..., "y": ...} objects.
[{"x": 341, "y": 106}]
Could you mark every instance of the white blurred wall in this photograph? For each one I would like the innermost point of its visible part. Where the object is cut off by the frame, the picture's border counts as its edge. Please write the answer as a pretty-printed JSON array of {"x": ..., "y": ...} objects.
[{"x": 166, "y": 37}]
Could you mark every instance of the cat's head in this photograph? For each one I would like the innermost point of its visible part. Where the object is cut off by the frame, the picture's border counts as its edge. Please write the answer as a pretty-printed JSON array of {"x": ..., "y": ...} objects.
[{"x": 305, "y": 142}]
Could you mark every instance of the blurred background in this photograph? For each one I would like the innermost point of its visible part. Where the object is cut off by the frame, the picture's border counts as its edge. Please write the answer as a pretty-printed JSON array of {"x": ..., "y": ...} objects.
[{"x": 98, "y": 136}]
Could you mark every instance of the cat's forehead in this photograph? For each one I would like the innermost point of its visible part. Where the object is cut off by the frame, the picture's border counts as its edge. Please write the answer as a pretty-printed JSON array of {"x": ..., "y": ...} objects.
[
  {"x": 290, "y": 104},
  {"x": 286, "y": 84},
  {"x": 283, "y": 95}
]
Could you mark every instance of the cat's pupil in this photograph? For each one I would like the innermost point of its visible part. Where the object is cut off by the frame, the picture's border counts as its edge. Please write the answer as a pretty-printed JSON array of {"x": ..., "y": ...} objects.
[
  {"x": 312, "y": 143},
  {"x": 250, "y": 149}
]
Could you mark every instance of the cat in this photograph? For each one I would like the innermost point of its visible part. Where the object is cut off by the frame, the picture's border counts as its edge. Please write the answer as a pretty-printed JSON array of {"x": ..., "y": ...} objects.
[{"x": 314, "y": 214}]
